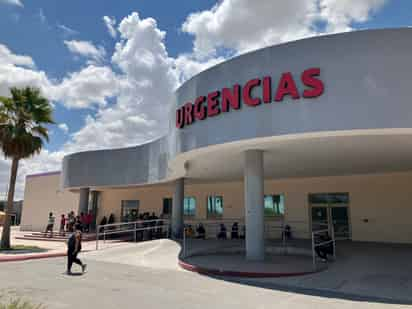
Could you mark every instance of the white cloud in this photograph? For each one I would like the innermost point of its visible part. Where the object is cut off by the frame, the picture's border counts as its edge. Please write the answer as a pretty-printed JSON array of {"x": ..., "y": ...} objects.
[
  {"x": 147, "y": 81},
  {"x": 7, "y": 57},
  {"x": 89, "y": 86},
  {"x": 17, "y": 70},
  {"x": 339, "y": 14},
  {"x": 64, "y": 127},
  {"x": 86, "y": 49},
  {"x": 110, "y": 23},
  {"x": 45, "y": 161},
  {"x": 14, "y": 76},
  {"x": 4, "y": 176},
  {"x": 67, "y": 31},
  {"x": 12, "y": 2},
  {"x": 243, "y": 25},
  {"x": 187, "y": 65},
  {"x": 92, "y": 85},
  {"x": 41, "y": 16}
]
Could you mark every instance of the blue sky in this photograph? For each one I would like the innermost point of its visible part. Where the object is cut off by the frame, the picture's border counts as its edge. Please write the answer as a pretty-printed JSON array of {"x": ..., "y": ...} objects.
[
  {"x": 40, "y": 37},
  {"x": 108, "y": 88}
]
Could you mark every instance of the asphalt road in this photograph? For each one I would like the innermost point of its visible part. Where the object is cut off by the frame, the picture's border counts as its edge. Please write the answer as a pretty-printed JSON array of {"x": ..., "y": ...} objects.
[{"x": 109, "y": 284}]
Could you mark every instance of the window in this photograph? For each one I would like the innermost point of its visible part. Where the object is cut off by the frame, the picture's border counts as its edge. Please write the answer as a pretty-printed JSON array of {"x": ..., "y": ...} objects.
[
  {"x": 167, "y": 206},
  {"x": 189, "y": 206},
  {"x": 130, "y": 210},
  {"x": 274, "y": 205},
  {"x": 214, "y": 206}
]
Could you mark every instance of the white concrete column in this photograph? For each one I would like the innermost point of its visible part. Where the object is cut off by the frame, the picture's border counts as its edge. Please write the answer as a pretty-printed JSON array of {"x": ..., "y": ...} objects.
[
  {"x": 254, "y": 205},
  {"x": 83, "y": 200},
  {"x": 95, "y": 208},
  {"x": 177, "y": 209}
]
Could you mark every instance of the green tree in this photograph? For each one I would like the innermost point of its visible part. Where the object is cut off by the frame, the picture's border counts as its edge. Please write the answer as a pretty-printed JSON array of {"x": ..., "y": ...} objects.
[{"x": 23, "y": 117}]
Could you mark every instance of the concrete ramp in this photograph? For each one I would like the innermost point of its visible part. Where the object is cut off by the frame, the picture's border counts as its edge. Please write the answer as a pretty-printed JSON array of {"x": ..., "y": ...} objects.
[{"x": 159, "y": 254}]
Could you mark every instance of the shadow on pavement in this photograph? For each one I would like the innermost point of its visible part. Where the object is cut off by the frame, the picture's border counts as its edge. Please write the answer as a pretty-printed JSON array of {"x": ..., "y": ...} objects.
[
  {"x": 315, "y": 292},
  {"x": 361, "y": 273}
]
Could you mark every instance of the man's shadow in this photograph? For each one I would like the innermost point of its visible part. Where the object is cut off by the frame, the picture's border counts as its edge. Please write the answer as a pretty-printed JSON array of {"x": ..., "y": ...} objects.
[{"x": 74, "y": 274}]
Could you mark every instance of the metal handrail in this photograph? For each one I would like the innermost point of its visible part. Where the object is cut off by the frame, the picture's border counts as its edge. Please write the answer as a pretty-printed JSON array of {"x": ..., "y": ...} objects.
[
  {"x": 132, "y": 222},
  {"x": 136, "y": 228},
  {"x": 279, "y": 225}
]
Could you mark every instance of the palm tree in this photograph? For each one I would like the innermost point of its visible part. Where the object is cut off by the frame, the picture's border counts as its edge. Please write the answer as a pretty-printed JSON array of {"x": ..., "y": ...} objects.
[{"x": 22, "y": 134}]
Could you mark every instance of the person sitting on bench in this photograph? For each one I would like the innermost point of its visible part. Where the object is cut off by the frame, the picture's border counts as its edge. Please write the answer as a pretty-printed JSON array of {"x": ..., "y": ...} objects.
[
  {"x": 189, "y": 232},
  {"x": 287, "y": 232},
  {"x": 235, "y": 231},
  {"x": 222, "y": 233},
  {"x": 201, "y": 232},
  {"x": 325, "y": 249}
]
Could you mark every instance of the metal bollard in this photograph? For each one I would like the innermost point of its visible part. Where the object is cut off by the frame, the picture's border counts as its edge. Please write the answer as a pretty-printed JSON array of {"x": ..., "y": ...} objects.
[
  {"x": 97, "y": 238},
  {"x": 184, "y": 242},
  {"x": 313, "y": 252},
  {"x": 334, "y": 242}
]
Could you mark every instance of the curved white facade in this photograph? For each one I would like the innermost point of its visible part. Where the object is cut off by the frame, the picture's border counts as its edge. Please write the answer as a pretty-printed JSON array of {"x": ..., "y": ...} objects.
[{"x": 360, "y": 122}]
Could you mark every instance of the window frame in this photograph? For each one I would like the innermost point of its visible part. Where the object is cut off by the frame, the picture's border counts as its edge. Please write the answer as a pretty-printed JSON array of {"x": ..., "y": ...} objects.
[
  {"x": 276, "y": 207},
  {"x": 188, "y": 199},
  {"x": 215, "y": 214}
]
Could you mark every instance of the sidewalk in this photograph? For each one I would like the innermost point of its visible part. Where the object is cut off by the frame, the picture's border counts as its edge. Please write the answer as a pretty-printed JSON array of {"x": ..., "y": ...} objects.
[{"x": 51, "y": 248}]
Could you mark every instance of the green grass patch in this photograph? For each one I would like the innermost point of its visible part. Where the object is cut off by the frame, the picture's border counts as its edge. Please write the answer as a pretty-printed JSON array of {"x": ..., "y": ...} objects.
[{"x": 19, "y": 304}]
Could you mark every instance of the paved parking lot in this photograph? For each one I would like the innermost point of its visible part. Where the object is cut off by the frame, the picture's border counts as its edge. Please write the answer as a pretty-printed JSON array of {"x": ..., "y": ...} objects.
[{"x": 146, "y": 277}]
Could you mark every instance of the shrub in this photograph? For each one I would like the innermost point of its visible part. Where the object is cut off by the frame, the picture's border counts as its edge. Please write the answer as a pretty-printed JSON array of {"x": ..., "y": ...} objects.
[{"x": 19, "y": 304}]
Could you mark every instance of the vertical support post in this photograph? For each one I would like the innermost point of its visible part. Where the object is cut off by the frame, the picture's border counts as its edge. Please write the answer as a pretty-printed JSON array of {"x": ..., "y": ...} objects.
[
  {"x": 177, "y": 209},
  {"x": 94, "y": 208},
  {"x": 184, "y": 242},
  {"x": 313, "y": 252},
  {"x": 282, "y": 226},
  {"x": 254, "y": 205},
  {"x": 134, "y": 232}
]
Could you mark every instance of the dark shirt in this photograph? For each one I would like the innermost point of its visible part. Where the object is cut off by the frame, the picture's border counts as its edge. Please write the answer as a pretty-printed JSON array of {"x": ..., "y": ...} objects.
[{"x": 71, "y": 243}]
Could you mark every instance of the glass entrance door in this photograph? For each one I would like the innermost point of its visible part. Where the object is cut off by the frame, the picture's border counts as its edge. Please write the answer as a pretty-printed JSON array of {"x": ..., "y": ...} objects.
[
  {"x": 340, "y": 219},
  {"x": 330, "y": 209},
  {"x": 319, "y": 218}
]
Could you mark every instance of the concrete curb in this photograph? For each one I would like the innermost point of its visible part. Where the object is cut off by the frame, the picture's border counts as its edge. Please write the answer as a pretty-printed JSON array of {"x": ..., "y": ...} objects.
[
  {"x": 230, "y": 273},
  {"x": 17, "y": 258}
]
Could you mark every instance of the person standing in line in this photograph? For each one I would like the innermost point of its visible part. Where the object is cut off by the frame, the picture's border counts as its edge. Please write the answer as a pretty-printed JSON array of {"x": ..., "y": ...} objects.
[
  {"x": 89, "y": 218},
  {"x": 68, "y": 222},
  {"x": 74, "y": 246},
  {"x": 72, "y": 221},
  {"x": 62, "y": 225},
  {"x": 50, "y": 224},
  {"x": 78, "y": 224},
  {"x": 83, "y": 221}
]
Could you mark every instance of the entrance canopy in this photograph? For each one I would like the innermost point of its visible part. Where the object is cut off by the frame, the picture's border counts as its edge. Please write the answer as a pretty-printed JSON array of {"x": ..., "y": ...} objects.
[{"x": 307, "y": 155}]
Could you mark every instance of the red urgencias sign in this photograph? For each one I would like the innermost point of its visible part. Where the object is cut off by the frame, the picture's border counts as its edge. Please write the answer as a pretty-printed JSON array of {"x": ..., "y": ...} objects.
[{"x": 218, "y": 102}]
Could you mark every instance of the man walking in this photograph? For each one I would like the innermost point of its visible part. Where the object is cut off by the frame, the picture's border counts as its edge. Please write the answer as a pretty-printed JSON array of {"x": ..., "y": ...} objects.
[{"x": 74, "y": 246}]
